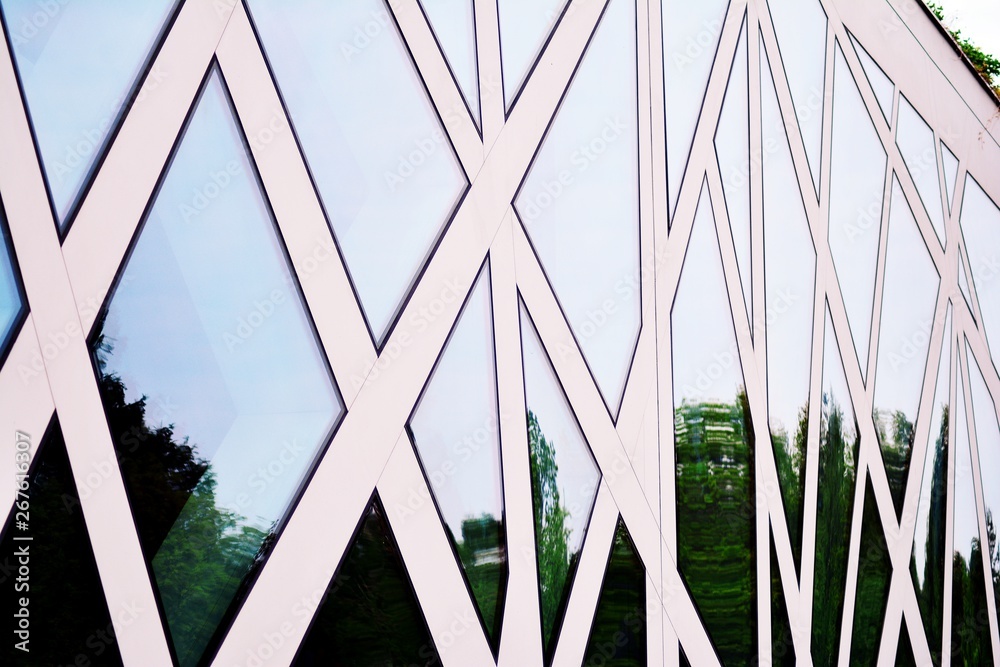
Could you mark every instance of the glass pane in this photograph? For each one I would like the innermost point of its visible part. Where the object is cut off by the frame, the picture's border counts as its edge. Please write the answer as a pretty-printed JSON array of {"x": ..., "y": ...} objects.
[
  {"x": 456, "y": 432},
  {"x": 950, "y": 164},
  {"x": 564, "y": 481},
  {"x": 691, "y": 33},
  {"x": 370, "y": 615},
  {"x": 839, "y": 439},
  {"x": 11, "y": 303},
  {"x": 732, "y": 147},
  {"x": 782, "y": 643},
  {"x": 970, "y": 626},
  {"x": 874, "y": 571},
  {"x": 988, "y": 441},
  {"x": 580, "y": 203},
  {"x": 789, "y": 284},
  {"x": 981, "y": 227},
  {"x": 67, "y": 616},
  {"x": 904, "y": 649},
  {"x": 382, "y": 163},
  {"x": 618, "y": 636},
  {"x": 713, "y": 449},
  {"x": 77, "y": 81},
  {"x": 525, "y": 26},
  {"x": 454, "y": 25},
  {"x": 215, "y": 390},
  {"x": 915, "y": 140},
  {"x": 909, "y": 293},
  {"x": 928, "y": 565},
  {"x": 800, "y": 26},
  {"x": 963, "y": 281},
  {"x": 880, "y": 83},
  {"x": 857, "y": 183}
]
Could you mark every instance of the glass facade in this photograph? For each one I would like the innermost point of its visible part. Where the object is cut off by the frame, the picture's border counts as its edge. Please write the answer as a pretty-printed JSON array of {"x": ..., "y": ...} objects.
[{"x": 442, "y": 332}]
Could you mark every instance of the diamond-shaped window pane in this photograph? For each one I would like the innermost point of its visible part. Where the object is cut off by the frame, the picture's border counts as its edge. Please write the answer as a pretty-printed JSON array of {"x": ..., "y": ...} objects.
[
  {"x": 981, "y": 227},
  {"x": 11, "y": 302},
  {"x": 525, "y": 25},
  {"x": 76, "y": 79},
  {"x": 713, "y": 457},
  {"x": 385, "y": 170},
  {"x": 580, "y": 203},
  {"x": 216, "y": 392},
  {"x": 984, "y": 409},
  {"x": 564, "y": 481},
  {"x": 456, "y": 433}
]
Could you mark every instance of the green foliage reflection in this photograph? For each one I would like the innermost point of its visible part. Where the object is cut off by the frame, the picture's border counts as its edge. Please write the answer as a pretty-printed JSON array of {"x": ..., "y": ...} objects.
[
  {"x": 874, "y": 572},
  {"x": 790, "y": 460},
  {"x": 618, "y": 636}
]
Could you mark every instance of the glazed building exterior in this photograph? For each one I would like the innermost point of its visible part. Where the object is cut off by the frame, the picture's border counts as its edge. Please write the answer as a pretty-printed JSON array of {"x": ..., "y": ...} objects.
[{"x": 414, "y": 332}]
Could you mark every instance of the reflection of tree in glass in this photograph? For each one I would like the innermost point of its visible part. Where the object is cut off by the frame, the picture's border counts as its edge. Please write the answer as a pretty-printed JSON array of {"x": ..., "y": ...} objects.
[
  {"x": 200, "y": 553},
  {"x": 838, "y": 454},
  {"x": 874, "y": 572},
  {"x": 790, "y": 460},
  {"x": 551, "y": 526},
  {"x": 929, "y": 584},
  {"x": 484, "y": 559},
  {"x": 970, "y": 624},
  {"x": 714, "y": 449},
  {"x": 895, "y": 435}
]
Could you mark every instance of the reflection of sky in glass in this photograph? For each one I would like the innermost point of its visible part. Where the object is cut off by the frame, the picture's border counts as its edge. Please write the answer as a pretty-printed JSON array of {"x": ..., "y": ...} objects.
[
  {"x": 384, "y": 168},
  {"x": 207, "y": 324},
  {"x": 691, "y": 32},
  {"x": 915, "y": 140},
  {"x": 800, "y": 26},
  {"x": 524, "y": 27},
  {"x": 941, "y": 398},
  {"x": 732, "y": 147},
  {"x": 10, "y": 297},
  {"x": 880, "y": 83},
  {"x": 966, "y": 514},
  {"x": 580, "y": 202},
  {"x": 857, "y": 179},
  {"x": 578, "y": 475},
  {"x": 706, "y": 360},
  {"x": 789, "y": 270},
  {"x": 981, "y": 226},
  {"x": 987, "y": 437},
  {"x": 455, "y": 425},
  {"x": 909, "y": 294},
  {"x": 454, "y": 24},
  {"x": 950, "y": 164},
  {"x": 76, "y": 77}
]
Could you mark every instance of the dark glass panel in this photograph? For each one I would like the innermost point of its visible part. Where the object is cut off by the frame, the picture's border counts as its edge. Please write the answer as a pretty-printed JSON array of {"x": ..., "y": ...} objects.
[
  {"x": 782, "y": 643},
  {"x": 874, "y": 572}
]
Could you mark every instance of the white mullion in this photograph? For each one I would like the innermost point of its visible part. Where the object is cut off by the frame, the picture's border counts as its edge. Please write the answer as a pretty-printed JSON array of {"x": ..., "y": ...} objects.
[
  {"x": 116, "y": 201},
  {"x": 493, "y": 110},
  {"x": 430, "y": 560}
]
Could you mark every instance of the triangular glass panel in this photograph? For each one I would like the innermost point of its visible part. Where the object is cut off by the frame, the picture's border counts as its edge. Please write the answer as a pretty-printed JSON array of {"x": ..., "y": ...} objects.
[
  {"x": 564, "y": 482},
  {"x": 874, "y": 574},
  {"x": 950, "y": 165},
  {"x": 970, "y": 629},
  {"x": 963, "y": 281},
  {"x": 691, "y": 34},
  {"x": 618, "y": 635},
  {"x": 217, "y": 394},
  {"x": 455, "y": 430},
  {"x": 980, "y": 222},
  {"x": 580, "y": 207},
  {"x": 370, "y": 614},
  {"x": 801, "y": 29},
  {"x": 881, "y": 85},
  {"x": 75, "y": 84},
  {"x": 782, "y": 642},
  {"x": 984, "y": 410},
  {"x": 915, "y": 140},
  {"x": 682, "y": 657},
  {"x": 525, "y": 26},
  {"x": 62, "y": 599},
  {"x": 909, "y": 293},
  {"x": 732, "y": 148},
  {"x": 383, "y": 165},
  {"x": 789, "y": 276},
  {"x": 904, "y": 649},
  {"x": 713, "y": 449},
  {"x": 454, "y": 25},
  {"x": 927, "y": 566},
  {"x": 839, "y": 442},
  {"x": 857, "y": 184},
  {"x": 12, "y": 304}
]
